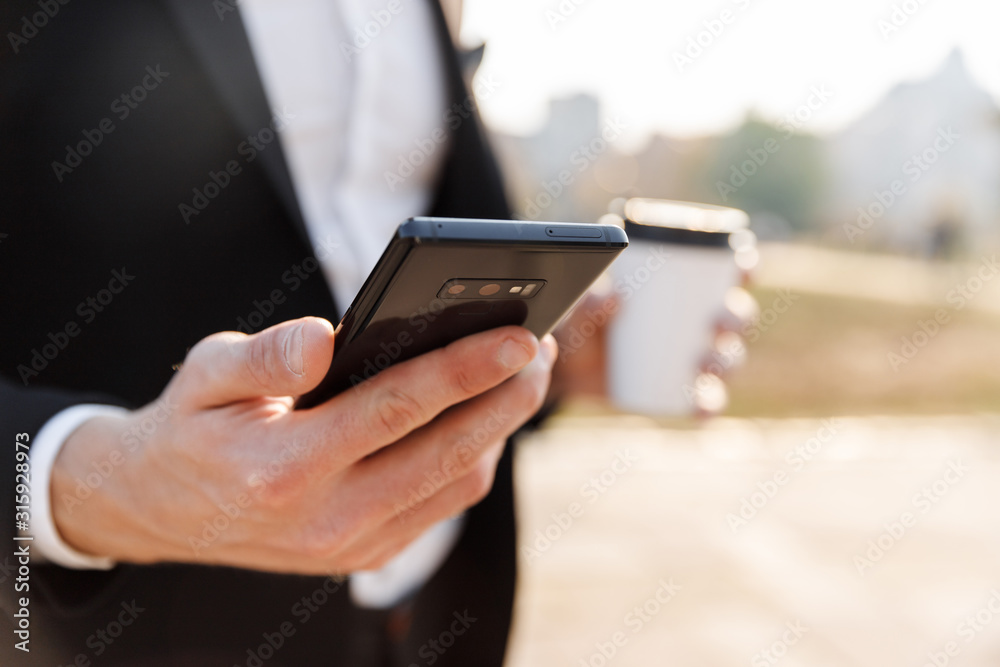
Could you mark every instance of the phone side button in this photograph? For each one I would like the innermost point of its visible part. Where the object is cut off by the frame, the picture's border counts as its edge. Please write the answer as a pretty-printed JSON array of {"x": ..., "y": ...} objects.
[{"x": 575, "y": 232}]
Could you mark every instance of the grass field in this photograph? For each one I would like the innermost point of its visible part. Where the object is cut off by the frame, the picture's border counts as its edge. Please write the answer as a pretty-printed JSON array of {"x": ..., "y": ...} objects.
[{"x": 830, "y": 355}]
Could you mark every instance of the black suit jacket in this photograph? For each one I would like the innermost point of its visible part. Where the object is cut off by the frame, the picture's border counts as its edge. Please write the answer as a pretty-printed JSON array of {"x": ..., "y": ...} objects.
[{"x": 110, "y": 213}]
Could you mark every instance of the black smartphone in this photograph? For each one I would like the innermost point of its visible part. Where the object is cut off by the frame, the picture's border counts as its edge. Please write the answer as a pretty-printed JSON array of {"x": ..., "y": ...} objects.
[{"x": 441, "y": 279}]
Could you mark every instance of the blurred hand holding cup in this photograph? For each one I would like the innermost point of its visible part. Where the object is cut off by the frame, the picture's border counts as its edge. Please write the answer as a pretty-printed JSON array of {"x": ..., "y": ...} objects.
[{"x": 673, "y": 281}]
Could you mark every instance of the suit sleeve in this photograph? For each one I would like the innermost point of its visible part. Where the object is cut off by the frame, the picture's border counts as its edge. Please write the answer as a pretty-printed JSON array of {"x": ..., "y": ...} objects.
[{"x": 25, "y": 411}]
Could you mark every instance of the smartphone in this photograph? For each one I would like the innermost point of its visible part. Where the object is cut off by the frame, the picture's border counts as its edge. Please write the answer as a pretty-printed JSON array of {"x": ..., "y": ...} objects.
[{"x": 441, "y": 279}]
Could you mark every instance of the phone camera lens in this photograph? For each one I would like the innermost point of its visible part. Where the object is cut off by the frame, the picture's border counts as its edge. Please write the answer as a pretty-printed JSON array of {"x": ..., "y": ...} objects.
[
  {"x": 489, "y": 290},
  {"x": 455, "y": 290}
]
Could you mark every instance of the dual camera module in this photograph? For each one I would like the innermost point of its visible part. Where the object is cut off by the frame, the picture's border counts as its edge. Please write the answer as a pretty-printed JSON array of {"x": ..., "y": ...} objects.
[{"x": 461, "y": 288}]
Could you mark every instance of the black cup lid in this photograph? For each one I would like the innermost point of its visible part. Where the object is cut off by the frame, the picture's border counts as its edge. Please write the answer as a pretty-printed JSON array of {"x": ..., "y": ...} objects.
[{"x": 686, "y": 223}]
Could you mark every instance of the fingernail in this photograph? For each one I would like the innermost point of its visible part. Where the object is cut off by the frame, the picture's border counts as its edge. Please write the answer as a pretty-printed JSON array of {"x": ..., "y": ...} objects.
[
  {"x": 513, "y": 356},
  {"x": 294, "y": 341}
]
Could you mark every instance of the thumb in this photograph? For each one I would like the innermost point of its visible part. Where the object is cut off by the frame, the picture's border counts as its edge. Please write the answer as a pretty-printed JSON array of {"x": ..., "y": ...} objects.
[{"x": 287, "y": 359}]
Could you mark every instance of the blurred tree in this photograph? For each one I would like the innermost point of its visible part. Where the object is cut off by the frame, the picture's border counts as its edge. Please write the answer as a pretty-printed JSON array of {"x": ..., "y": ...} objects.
[{"x": 767, "y": 171}]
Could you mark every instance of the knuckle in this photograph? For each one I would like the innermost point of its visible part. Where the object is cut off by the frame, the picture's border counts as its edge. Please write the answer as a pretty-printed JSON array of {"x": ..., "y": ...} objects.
[
  {"x": 209, "y": 345},
  {"x": 480, "y": 481},
  {"x": 396, "y": 413},
  {"x": 275, "y": 496},
  {"x": 464, "y": 381},
  {"x": 200, "y": 357},
  {"x": 464, "y": 452},
  {"x": 279, "y": 483},
  {"x": 259, "y": 361},
  {"x": 279, "y": 493},
  {"x": 468, "y": 450}
]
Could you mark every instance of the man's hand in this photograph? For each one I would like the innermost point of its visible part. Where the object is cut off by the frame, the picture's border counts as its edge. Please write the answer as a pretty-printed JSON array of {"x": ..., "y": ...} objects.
[
  {"x": 582, "y": 371},
  {"x": 234, "y": 476}
]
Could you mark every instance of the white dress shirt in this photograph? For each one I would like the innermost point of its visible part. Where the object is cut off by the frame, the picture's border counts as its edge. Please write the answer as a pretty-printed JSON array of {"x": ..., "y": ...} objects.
[{"x": 361, "y": 85}]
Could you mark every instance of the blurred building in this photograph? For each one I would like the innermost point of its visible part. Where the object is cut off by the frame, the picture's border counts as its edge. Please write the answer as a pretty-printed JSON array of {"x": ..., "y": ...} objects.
[
  {"x": 918, "y": 173},
  {"x": 532, "y": 164},
  {"x": 938, "y": 140}
]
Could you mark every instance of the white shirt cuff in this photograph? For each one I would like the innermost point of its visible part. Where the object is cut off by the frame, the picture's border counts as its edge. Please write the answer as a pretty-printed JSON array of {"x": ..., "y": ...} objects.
[
  {"x": 48, "y": 543},
  {"x": 409, "y": 570}
]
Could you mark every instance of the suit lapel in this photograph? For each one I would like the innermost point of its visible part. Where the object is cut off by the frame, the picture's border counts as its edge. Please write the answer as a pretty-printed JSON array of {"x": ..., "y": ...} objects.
[
  {"x": 470, "y": 184},
  {"x": 221, "y": 45}
]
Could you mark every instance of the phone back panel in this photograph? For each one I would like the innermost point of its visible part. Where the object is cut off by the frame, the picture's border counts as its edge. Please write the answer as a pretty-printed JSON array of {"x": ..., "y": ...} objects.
[{"x": 405, "y": 310}]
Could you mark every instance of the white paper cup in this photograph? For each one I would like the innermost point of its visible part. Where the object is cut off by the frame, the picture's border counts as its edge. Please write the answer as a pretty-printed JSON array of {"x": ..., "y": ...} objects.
[{"x": 672, "y": 282}]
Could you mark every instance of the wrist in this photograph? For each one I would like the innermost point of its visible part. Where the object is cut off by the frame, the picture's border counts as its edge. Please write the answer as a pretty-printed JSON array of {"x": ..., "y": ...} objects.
[{"x": 93, "y": 508}]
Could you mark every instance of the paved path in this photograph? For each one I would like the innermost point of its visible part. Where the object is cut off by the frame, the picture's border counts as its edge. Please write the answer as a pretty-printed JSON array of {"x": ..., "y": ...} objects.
[{"x": 660, "y": 521}]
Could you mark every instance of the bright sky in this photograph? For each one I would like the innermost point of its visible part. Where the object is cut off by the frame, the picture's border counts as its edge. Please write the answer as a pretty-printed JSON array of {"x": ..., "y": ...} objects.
[{"x": 767, "y": 58}]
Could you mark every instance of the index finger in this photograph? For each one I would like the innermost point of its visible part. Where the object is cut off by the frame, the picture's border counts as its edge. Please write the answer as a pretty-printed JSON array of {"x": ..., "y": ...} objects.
[{"x": 406, "y": 396}]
